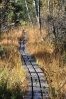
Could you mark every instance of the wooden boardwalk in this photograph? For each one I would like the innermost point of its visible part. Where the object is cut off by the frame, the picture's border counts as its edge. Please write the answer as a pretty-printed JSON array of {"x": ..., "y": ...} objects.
[{"x": 38, "y": 87}]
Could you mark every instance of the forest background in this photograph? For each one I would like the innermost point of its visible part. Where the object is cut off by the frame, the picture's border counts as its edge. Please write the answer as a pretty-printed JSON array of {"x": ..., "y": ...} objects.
[{"x": 45, "y": 24}]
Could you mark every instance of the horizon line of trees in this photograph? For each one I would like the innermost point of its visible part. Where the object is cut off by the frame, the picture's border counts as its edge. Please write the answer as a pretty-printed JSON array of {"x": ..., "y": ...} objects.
[{"x": 43, "y": 13}]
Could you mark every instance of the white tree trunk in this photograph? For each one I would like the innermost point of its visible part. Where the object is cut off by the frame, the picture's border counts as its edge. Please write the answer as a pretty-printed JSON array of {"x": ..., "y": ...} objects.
[
  {"x": 37, "y": 12},
  {"x": 35, "y": 9},
  {"x": 39, "y": 23},
  {"x": 48, "y": 6},
  {"x": 28, "y": 13}
]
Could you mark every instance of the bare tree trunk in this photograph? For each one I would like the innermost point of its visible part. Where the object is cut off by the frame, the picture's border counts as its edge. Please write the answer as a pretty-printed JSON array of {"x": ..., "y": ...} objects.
[
  {"x": 48, "y": 6},
  {"x": 37, "y": 13},
  {"x": 39, "y": 20},
  {"x": 35, "y": 9},
  {"x": 28, "y": 13},
  {"x": 48, "y": 3}
]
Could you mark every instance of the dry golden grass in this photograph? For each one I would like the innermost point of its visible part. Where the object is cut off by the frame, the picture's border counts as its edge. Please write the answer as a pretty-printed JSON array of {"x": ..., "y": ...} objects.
[
  {"x": 31, "y": 37},
  {"x": 11, "y": 70},
  {"x": 53, "y": 67},
  {"x": 11, "y": 37}
]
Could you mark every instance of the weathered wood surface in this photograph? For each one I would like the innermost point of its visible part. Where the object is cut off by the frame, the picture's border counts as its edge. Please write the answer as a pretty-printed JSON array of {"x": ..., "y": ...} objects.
[{"x": 38, "y": 87}]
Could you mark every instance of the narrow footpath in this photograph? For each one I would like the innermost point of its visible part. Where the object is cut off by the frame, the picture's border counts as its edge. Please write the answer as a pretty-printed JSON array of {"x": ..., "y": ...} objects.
[{"x": 38, "y": 87}]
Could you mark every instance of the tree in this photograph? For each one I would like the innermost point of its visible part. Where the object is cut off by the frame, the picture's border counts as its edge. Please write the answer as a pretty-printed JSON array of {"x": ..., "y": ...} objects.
[{"x": 28, "y": 12}]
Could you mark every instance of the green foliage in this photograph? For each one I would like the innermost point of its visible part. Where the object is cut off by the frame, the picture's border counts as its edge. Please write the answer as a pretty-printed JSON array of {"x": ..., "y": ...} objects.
[
  {"x": 52, "y": 91},
  {"x": 64, "y": 57},
  {"x": 0, "y": 1},
  {"x": 65, "y": 8},
  {"x": 12, "y": 47},
  {"x": 19, "y": 11},
  {"x": 2, "y": 48},
  {"x": 7, "y": 93},
  {"x": 6, "y": 90},
  {"x": 17, "y": 6}
]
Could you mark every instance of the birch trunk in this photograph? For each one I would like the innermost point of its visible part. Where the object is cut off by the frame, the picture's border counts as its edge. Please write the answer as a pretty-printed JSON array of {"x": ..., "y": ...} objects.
[
  {"x": 39, "y": 16},
  {"x": 28, "y": 13},
  {"x": 35, "y": 10},
  {"x": 48, "y": 6}
]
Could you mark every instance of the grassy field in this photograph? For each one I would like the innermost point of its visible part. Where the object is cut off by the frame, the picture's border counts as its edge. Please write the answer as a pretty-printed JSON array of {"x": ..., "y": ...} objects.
[
  {"x": 52, "y": 64},
  {"x": 13, "y": 81}
]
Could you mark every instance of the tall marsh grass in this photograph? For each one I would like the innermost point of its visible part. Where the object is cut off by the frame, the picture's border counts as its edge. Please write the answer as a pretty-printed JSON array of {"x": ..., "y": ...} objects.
[
  {"x": 50, "y": 61},
  {"x": 13, "y": 82}
]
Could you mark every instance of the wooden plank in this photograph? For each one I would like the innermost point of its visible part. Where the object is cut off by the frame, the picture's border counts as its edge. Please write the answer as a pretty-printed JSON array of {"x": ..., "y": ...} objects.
[
  {"x": 22, "y": 53},
  {"x": 31, "y": 70},
  {"x": 31, "y": 59},
  {"x": 37, "y": 95},
  {"x": 29, "y": 77},
  {"x": 24, "y": 56},
  {"x": 36, "y": 67},
  {"x": 34, "y": 74},
  {"x": 34, "y": 63},
  {"x": 42, "y": 76},
  {"x": 28, "y": 95},
  {"x": 29, "y": 62},
  {"x": 22, "y": 46},
  {"x": 36, "y": 90},
  {"x": 26, "y": 59},
  {"x": 36, "y": 83},
  {"x": 38, "y": 70},
  {"x": 27, "y": 53}
]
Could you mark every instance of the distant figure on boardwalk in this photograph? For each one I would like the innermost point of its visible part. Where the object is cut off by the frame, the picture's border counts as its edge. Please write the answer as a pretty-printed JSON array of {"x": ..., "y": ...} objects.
[{"x": 23, "y": 32}]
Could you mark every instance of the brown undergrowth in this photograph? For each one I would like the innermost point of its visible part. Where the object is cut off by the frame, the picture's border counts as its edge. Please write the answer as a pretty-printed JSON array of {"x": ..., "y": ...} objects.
[
  {"x": 13, "y": 82},
  {"x": 50, "y": 61}
]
